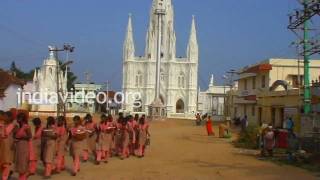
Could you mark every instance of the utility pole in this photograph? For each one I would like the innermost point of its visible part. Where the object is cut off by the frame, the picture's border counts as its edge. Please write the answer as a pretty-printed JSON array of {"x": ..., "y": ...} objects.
[
  {"x": 300, "y": 20},
  {"x": 160, "y": 12},
  {"x": 157, "y": 108},
  {"x": 107, "y": 89},
  {"x": 225, "y": 77},
  {"x": 307, "y": 93},
  {"x": 54, "y": 51}
]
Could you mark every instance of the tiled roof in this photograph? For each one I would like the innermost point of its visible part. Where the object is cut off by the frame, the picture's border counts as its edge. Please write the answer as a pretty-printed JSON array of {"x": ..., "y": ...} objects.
[{"x": 6, "y": 80}]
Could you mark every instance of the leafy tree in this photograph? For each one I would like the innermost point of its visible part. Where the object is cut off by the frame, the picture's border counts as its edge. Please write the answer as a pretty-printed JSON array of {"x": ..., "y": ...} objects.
[{"x": 21, "y": 74}]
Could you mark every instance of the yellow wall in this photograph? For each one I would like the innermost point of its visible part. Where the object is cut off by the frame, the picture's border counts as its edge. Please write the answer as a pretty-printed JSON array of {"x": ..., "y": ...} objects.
[
  {"x": 279, "y": 100},
  {"x": 282, "y": 69}
]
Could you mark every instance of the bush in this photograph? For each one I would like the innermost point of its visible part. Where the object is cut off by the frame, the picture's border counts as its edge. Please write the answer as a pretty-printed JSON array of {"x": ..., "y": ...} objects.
[{"x": 249, "y": 138}]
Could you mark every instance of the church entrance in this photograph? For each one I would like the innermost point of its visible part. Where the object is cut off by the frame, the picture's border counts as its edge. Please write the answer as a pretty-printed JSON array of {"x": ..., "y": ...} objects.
[{"x": 180, "y": 106}]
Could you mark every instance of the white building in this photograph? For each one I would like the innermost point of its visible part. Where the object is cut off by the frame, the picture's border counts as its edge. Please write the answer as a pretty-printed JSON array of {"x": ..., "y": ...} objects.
[
  {"x": 45, "y": 82},
  {"x": 212, "y": 101},
  {"x": 179, "y": 76},
  {"x": 82, "y": 101},
  {"x": 10, "y": 88}
]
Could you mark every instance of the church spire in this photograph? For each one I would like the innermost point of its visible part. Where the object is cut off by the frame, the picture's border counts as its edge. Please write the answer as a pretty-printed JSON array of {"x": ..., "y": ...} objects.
[
  {"x": 35, "y": 75},
  {"x": 211, "y": 81},
  {"x": 129, "y": 49},
  {"x": 193, "y": 48}
]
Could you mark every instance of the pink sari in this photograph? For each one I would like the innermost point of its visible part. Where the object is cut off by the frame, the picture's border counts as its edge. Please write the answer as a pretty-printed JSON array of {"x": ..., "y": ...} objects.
[
  {"x": 35, "y": 145},
  {"x": 22, "y": 150}
]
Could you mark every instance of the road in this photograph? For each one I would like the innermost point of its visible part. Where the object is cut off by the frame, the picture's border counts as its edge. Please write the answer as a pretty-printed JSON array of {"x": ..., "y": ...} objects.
[{"x": 180, "y": 150}]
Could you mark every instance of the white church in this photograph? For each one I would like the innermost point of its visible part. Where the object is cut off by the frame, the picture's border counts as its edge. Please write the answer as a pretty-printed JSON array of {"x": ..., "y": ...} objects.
[
  {"x": 178, "y": 75},
  {"x": 45, "y": 82}
]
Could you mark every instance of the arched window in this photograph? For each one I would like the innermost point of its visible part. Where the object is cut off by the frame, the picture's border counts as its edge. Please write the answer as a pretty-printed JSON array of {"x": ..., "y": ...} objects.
[{"x": 162, "y": 76}]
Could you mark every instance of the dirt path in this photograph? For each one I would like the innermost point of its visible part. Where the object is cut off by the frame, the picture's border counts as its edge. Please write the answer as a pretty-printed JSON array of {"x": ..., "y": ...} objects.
[{"x": 180, "y": 150}]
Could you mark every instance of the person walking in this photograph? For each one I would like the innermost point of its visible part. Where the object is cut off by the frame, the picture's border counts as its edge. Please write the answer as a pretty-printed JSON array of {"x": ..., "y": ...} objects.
[
  {"x": 35, "y": 146},
  {"x": 132, "y": 134},
  {"x": 90, "y": 142},
  {"x": 143, "y": 135},
  {"x": 77, "y": 136},
  {"x": 118, "y": 135},
  {"x": 209, "y": 126},
  {"x": 125, "y": 138},
  {"x": 244, "y": 123},
  {"x": 62, "y": 132},
  {"x": 49, "y": 137},
  {"x": 104, "y": 141},
  {"x": 289, "y": 124},
  {"x": 6, "y": 144},
  {"x": 22, "y": 137},
  {"x": 269, "y": 141}
]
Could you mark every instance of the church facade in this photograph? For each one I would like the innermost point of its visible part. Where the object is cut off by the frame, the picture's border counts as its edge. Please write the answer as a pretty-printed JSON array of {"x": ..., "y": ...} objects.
[{"x": 178, "y": 75}]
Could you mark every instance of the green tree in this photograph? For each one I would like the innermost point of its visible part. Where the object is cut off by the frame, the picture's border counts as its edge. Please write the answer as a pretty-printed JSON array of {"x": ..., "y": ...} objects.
[{"x": 21, "y": 74}]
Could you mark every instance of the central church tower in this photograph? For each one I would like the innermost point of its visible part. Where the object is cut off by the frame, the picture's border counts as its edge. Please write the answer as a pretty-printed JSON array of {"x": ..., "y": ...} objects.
[
  {"x": 178, "y": 76},
  {"x": 168, "y": 41}
]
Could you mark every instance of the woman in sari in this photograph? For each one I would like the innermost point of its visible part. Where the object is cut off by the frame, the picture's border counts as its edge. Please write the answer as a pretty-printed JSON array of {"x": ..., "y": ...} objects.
[
  {"x": 90, "y": 142},
  {"x": 22, "y": 137},
  {"x": 132, "y": 124},
  {"x": 104, "y": 141},
  {"x": 125, "y": 138},
  {"x": 7, "y": 142},
  {"x": 61, "y": 142},
  {"x": 143, "y": 135},
  {"x": 77, "y": 136},
  {"x": 49, "y": 136},
  {"x": 118, "y": 135},
  {"x": 209, "y": 126},
  {"x": 35, "y": 146}
]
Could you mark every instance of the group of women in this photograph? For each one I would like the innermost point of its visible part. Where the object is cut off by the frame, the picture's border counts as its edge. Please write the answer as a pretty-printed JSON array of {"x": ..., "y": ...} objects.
[{"x": 23, "y": 147}]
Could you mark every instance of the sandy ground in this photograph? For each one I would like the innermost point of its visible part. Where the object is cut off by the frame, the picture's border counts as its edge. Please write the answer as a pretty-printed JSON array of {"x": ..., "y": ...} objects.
[{"x": 180, "y": 150}]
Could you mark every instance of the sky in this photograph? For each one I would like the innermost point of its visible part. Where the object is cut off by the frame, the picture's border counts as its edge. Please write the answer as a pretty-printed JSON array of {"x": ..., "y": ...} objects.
[{"x": 231, "y": 33}]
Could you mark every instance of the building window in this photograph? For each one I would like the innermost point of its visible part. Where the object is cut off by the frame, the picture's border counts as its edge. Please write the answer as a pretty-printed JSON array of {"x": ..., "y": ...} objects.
[
  {"x": 295, "y": 81},
  {"x": 254, "y": 83},
  {"x": 162, "y": 75},
  {"x": 253, "y": 111},
  {"x": 245, "y": 84},
  {"x": 263, "y": 81}
]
